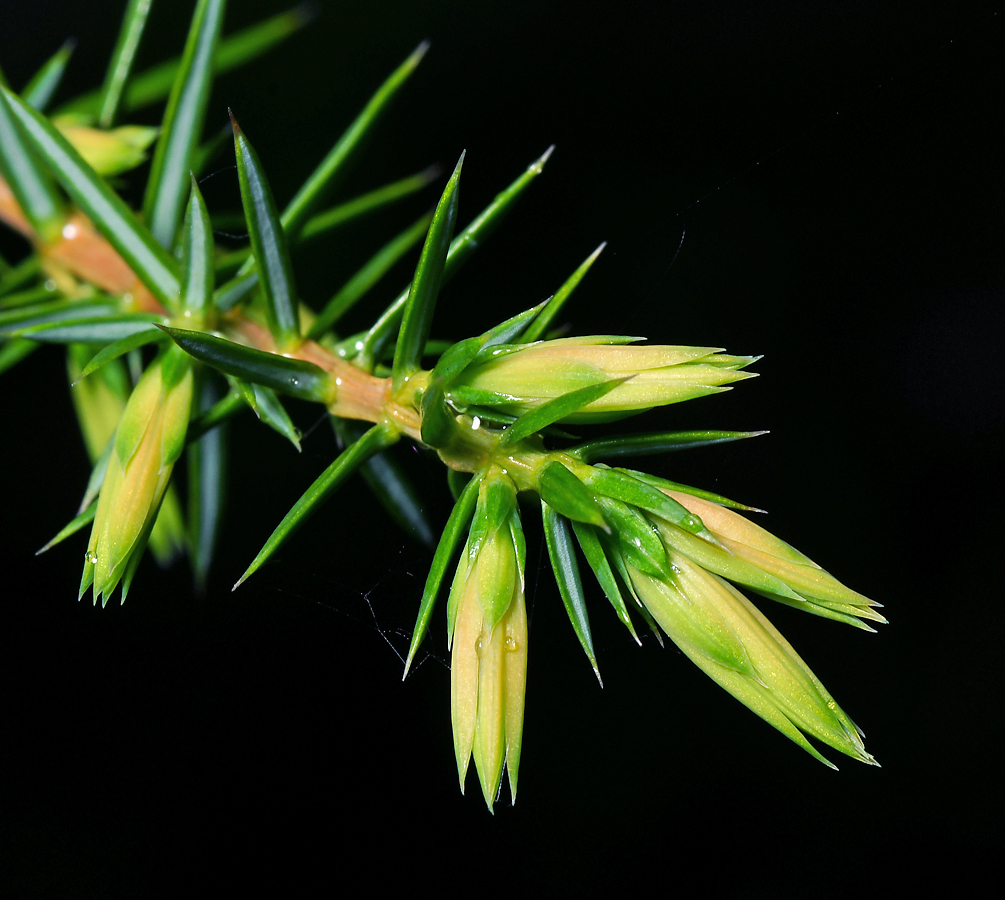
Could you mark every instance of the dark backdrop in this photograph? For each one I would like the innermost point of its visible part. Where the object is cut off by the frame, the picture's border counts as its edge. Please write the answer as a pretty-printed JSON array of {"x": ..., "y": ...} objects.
[{"x": 818, "y": 183}]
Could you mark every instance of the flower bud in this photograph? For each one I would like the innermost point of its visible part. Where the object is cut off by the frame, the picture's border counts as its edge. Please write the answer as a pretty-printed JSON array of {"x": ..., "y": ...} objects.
[
  {"x": 532, "y": 374},
  {"x": 728, "y": 638},
  {"x": 487, "y": 622},
  {"x": 109, "y": 152},
  {"x": 748, "y": 554},
  {"x": 148, "y": 440},
  {"x": 99, "y": 400}
]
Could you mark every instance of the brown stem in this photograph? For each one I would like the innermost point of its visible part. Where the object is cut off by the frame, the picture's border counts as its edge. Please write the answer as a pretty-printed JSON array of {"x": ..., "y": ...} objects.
[{"x": 357, "y": 394}]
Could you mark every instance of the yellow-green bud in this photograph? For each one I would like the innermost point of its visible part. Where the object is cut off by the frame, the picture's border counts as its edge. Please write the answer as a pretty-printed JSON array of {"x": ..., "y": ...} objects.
[
  {"x": 149, "y": 439},
  {"x": 488, "y": 665},
  {"x": 725, "y": 635},
  {"x": 750, "y": 545},
  {"x": 659, "y": 374},
  {"x": 109, "y": 152},
  {"x": 98, "y": 399}
]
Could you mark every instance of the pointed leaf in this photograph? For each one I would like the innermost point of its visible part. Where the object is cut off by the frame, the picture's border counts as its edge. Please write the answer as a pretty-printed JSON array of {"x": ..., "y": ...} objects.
[
  {"x": 390, "y": 485},
  {"x": 555, "y": 410},
  {"x": 133, "y": 22},
  {"x": 418, "y": 315},
  {"x": 168, "y": 184},
  {"x": 269, "y": 409},
  {"x": 281, "y": 373},
  {"x": 542, "y": 322},
  {"x": 653, "y": 443},
  {"x": 120, "y": 348},
  {"x": 97, "y": 476},
  {"x": 376, "y": 439},
  {"x": 568, "y": 496},
  {"x": 563, "y": 562},
  {"x": 334, "y": 164},
  {"x": 614, "y": 556},
  {"x": 133, "y": 563},
  {"x": 339, "y": 215},
  {"x": 365, "y": 203},
  {"x": 227, "y": 296},
  {"x": 622, "y": 486},
  {"x": 26, "y": 298},
  {"x": 663, "y": 483},
  {"x": 460, "y": 251},
  {"x": 17, "y": 317},
  {"x": 375, "y": 269},
  {"x": 207, "y": 466},
  {"x": 92, "y": 329},
  {"x": 197, "y": 276},
  {"x": 450, "y": 540},
  {"x": 26, "y": 176},
  {"x": 38, "y": 92},
  {"x": 247, "y": 391},
  {"x": 268, "y": 243},
  {"x": 151, "y": 263},
  {"x": 506, "y": 332},
  {"x": 636, "y": 538},
  {"x": 12, "y": 352},
  {"x": 72, "y": 527},
  {"x": 234, "y": 50},
  {"x": 595, "y": 556},
  {"x": 462, "y": 354}
]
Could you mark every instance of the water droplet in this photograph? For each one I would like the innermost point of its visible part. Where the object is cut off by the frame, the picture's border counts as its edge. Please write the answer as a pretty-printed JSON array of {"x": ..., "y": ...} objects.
[
  {"x": 70, "y": 231},
  {"x": 511, "y": 644},
  {"x": 294, "y": 380},
  {"x": 479, "y": 644},
  {"x": 50, "y": 285},
  {"x": 90, "y": 557},
  {"x": 476, "y": 423},
  {"x": 338, "y": 381},
  {"x": 831, "y": 704}
]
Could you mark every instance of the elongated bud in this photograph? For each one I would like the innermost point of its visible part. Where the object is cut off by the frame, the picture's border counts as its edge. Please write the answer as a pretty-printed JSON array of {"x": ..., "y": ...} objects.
[
  {"x": 488, "y": 633},
  {"x": 525, "y": 377},
  {"x": 748, "y": 554},
  {"x": 148, "y": 440},
  {"x": 728, "y": 638}
]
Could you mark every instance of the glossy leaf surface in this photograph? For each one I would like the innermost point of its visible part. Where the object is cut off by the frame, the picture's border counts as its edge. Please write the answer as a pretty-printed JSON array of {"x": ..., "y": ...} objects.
[
  {"x": 375, "y": 440},
  {"x": 268, "y": 243},
  {"x": 562, "y": 554},
  {"x": 151, "y": 263},
  {"x": 451, "y": 538},
  {"x": 134, "y": 20},
  {"x": 181, "y": 129},
  {"x": 418, "y": 315},
  {"x": 280, "y": 373}
]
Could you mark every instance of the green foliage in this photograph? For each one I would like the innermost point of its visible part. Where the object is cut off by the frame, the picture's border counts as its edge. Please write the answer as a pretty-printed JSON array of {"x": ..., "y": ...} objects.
[
  {"x": 181, "y": 129},
  {"x": 138, "y": 293}
]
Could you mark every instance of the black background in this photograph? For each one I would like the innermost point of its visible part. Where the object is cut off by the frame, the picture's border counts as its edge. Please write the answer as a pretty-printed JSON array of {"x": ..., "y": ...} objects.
[{"x": 836, "y": 172}]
